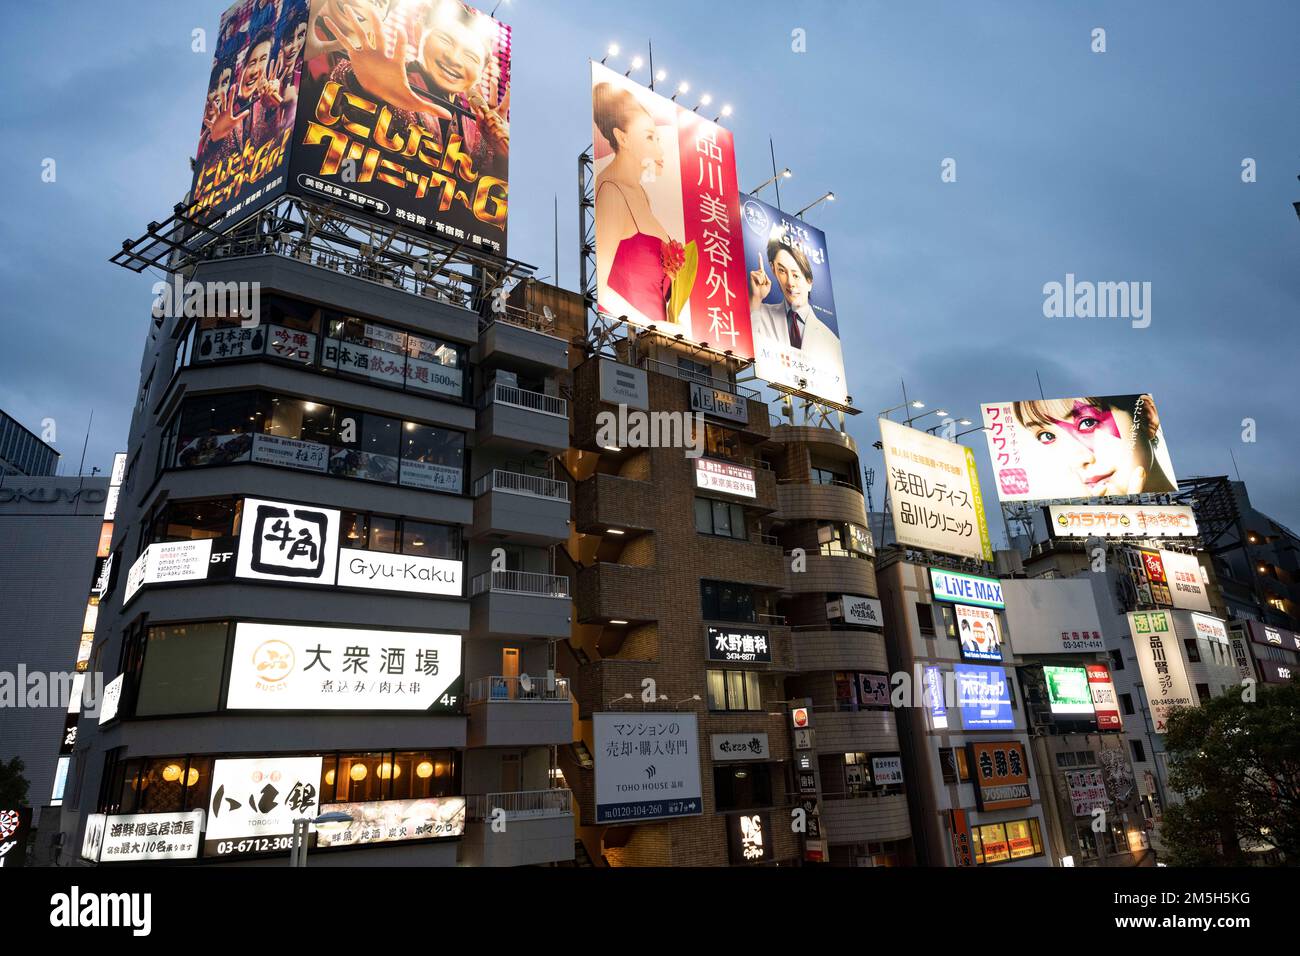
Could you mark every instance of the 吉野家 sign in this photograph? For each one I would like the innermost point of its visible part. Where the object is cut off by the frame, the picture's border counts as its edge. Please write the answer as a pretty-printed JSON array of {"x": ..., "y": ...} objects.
[
  {"x": 1067, "y": 691},
  {"x": 966, "y": 588},
  {"x": 712, "y": 475},
  {"x": 1088, "y": 447},
  {"x": 132, "y": 838},
  {"x": 1160, "y": 659},
  {"x": 647, "y": 766},
  {"x": 719, "y": 403},
  {"x": 297, "y": 667},
  {"x": 288, "y": 542},
  {"x": 854, "y": 609},
  {"x": 1000, "y": 773},
  {"x": 740, "y": 746},
  {"x": 977, "y": 629},
  {"x": 393, "y": 821},
  {"x": 745, "y": 645},
  {"x": 1121, "y": 521},
  {"x": 983, "y": 697},
  {"x": 935, "y": 493},
  {"x": 254, "y": 802}
]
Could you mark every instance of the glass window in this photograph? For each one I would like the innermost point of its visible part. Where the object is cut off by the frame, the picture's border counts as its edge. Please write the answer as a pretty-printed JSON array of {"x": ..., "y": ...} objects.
[
  {"x": 925, "y": 619},
  {"x": 432, "y": 458},
  {"x": 365, "y": 446},
  {"x": 723, "y": 601},
  {"x": 217, "y": 429},
  {"x": 948, "y": 764},
  {"x": 993, "y": 840},
  {"x": 421, "y": 774},
  {"x": 1126, "y": 703},
  {"x": 1117, "y": 660},
  {"x": 1139, "y": 754},
  {"x": 162, "y": 785},
  {"x": 430, "y": 540},
  {"x": 356, "y": 530},
  {"x": 721, "y": 518},
  {"x": 1193, "y": 652},
  {"x": 743, "y": 786},
  {"x": 717, "y": 691},
  {"x": 735, "y": 690},
  {"x": 193, "y": 520},
  {"x": 383, "y": 533},
  {"x": 367, "y": 350},
  {"x": 434, "y": 366},
  {"x": 363, "y": 777},
  {"x": 753, "y": 697},
  {"x": 703, "y": 516},
  {"x": 721, "y": 442},
  {"x": 182, "y": 669}
]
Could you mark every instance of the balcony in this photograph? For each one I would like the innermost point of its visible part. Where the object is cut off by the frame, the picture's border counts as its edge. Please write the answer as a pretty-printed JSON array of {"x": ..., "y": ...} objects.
[
  {"x": 819, "y": 649},
  {"x": 833, "y": 574},
  {"x": 525, "y": 508},
  {"x": 804, "y": 501},
  {"x": 509, "y": 712},
  {"x": 538, "y": 828},
  {"x": 519, "y": 340},
  {"x": 846, "y": 731},
  {"x": 618, "y": 592},
  {"x": 830, "y": 441},
  {"x": 522, "y": 419},
  {"x": 608, "y": 501},
  {"x": 866, "y": 819},
  {"x": 520, "y": 604}
]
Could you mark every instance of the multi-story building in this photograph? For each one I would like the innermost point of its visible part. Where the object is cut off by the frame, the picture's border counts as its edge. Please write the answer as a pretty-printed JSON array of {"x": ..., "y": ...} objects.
[
  {"x": 974, "y": 795},
  {"x": 22, "y": 453},
  {"x": 337, "y": 590},
  {"x": 703, "y": 578}
]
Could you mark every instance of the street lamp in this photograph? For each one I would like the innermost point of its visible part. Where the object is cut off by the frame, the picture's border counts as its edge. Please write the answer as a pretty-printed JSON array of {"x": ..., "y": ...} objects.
[
  {"x": 612, "y": 51},
  {"x": 960, "y": 421},
  {"x": 783, "y": 174},
  {"x": 829, "y": 197},
  {"x": 333, "y": 821},
  {"x": 885, "y": 413},
  {"x": 933, "y": 411}
]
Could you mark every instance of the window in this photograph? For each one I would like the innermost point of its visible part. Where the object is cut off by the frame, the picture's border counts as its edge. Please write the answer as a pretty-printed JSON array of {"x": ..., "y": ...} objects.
[
  {"x": 1139, "y": 754},
  {"x": 1203, "y": 692},
  {"x": 721, "y": 442},
  {"x": 405, "y": 775},
  {"x": 744, "y": 786},
  {"x": 1126, "y": 703},
  {"x": 1087, "y": 840},
  {"x": 925, "y": 619},
  {"x": 192, "y": 520},
  {"x": 157, "y": 785},
  {"x": 948, "y": 764},
  {"x": 734, "y": 690},
  {"x": 1116, "y": 660},
  {"x": 1065, "y": 758},
  {"x": 857, "y": 774},
  {"x": 723, "y": 601},
  {"x": 217, "y": 429},
  {"x": 722, "y": 518},
  {"x": 182, "y": 669},
  {"x": 1193, "y": 652},
  {"x": 1002, "y": 842},
  {"x": 430, "y": 540},
  {"x": 432, "y": 458}
]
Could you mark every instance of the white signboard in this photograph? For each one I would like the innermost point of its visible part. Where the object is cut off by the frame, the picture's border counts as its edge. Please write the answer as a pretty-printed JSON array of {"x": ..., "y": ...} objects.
[
  {"x": 1186, "y": 584},
  {"x": 711, "y": 475},
  {"x": 977, "y": 629},
  {"x": 886, "y": 770},
  {"x": 132, "y": 838},
  {"x": 623, "y": 385},
  {"x": 391, "y": 821},
  {"x": 854, "y": 609},
  {"x": 1052, "y": 616},
  {"x": 290, "y": 453},
  {"x": 647, "y": 766},
  {"x": 1122, "y": 521},
  {"x": 1210, "y": 628},
  {"x": 254, "y": 802},
  {"x": 719, "y": 403},
  {"x": 740, "y": 746},
  {"x": 399, "y": 572},
  {"x": 291, "y": 543},
  {"x": 297, "y": 667},
  {"x": 168, "y": 562},
  {"x": 112, "y": 697},
  {"x": 934, "y": 493},
  {"x": 1160, "y": 659}
]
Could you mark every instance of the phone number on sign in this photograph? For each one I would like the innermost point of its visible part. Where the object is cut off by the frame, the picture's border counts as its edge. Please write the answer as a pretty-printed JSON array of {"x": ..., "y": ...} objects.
[{"x": 258, "y": 845}]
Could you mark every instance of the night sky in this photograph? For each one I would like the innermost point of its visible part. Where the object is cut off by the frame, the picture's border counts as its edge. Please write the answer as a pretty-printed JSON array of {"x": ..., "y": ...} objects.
[{"x": 1115, "y": 166}]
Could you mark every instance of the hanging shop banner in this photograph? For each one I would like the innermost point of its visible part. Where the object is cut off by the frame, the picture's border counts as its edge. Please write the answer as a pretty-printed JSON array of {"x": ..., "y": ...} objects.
[
  {"x": 624, "y": 385},
  {"x": 1104, "y": 702},
  {"x": 1077, "y": 448},
  {"x": 669, "y": 248},
  {"x": 977, "y": 629},
  {"x": 254, "y": 802},
  {"x": 934, "y": 493},
  {"x": 790, "y": 302},
  {"x": 133, "y": 838},
  {"x": 935, "y": 700},
  {"x": 647, "y": 766},
  {"x": 298, "y": 667},
  {"x": 395, "y": 821},
  {"x": 405, "y": 117},
  {"x": 983, "y": 697},
  {"x": 169, "y": 562},
  {"x": 1000, "y": 773},
  {"x": 1087, "y": 791},
  {"x": 1121, "y": 521},
  {"x": 1160, "y": 659},
  {"x": 966, "y": 588}
]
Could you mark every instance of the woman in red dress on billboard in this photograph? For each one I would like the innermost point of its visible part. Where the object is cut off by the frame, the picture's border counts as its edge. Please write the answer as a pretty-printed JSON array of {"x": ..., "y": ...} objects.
[{"x": 631, "y": 243}]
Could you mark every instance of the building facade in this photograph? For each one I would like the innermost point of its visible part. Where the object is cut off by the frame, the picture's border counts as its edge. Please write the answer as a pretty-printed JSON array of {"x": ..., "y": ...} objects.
[{"x": 22, "y": 452}]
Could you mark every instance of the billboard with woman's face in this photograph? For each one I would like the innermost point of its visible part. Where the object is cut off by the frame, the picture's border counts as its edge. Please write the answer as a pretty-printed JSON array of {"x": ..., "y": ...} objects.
[
  {"x": 669, "y": 245},
  {"x": 1092, "y": 447},
  {"x": 791, "y": 305}
]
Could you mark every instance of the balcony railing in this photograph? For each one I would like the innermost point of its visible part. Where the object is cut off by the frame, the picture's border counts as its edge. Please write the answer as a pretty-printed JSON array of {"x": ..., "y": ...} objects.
[
  {"x": 524, "y": 319},
  {"x": 511, "y": 689},
  {"x": 520, "y": 582},
  {"x": 518, "y": 484},
  {"x": 520, "y": 804},
  {"x": 703, "y": 378},
  {"x": 522, "y": 398}
]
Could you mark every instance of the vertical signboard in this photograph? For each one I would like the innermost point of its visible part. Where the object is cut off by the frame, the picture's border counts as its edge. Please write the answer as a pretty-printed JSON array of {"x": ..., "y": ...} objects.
[
  {"x": 1104, "y": 702},
  {"x": 1160, "y": 659},
  {"x": 669, "y": 247}
]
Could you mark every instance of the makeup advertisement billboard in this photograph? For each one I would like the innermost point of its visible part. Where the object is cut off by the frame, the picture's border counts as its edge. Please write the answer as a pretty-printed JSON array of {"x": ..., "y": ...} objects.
[
  {"x": 669, "y": 246},
  {"x": 1077, "y": 448}
]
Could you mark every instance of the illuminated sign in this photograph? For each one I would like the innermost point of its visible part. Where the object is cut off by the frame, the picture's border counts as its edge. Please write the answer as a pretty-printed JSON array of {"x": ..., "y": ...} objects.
[
  {"x": 977, "y": 630},
  {"x": 647, "y": 766},
  {"x": 966, "y": 588},
  {"x": 983, "y": 697},
  {"x": 711, "y": 475},
  {"x": 255, "y": 801},
  {"x": 393, "y": 821},
  {"x": 1067, "y": 691},
  {"x": 1000, "y": 773},
  {"x": 1121, "y": 521}
]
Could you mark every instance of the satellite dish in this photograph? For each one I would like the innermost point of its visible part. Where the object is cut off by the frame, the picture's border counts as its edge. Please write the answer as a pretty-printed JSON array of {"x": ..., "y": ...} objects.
[
  {"x": 547, "y": 313},
  {"x": 525, "y": 683}
]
